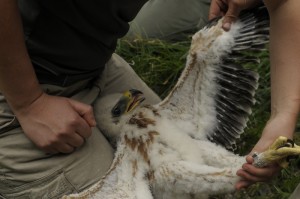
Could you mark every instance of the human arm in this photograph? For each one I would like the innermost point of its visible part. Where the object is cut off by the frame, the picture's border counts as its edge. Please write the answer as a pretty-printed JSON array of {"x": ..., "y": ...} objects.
[
  {"x": 54, "y": 124},
  {"x": 285, "y": 84},
  {"x": 285, "y": 77}
]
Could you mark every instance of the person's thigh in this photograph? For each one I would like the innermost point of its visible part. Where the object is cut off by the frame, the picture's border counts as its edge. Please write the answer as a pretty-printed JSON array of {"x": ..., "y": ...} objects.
[
  {"x": 168, "y": 18},
  {"x": 28, "y": 172},
  {"x": 296, "y": 193},
  {"x": 118, "y": 77}
]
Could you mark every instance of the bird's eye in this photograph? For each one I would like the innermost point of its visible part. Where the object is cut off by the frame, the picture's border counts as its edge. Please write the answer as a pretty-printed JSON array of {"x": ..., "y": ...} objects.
[{"x": 116, "y": 112}]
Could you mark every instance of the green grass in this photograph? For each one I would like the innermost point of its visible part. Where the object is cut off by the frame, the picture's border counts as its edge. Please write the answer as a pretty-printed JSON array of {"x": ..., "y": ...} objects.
[{"x": 159, "y": 64}]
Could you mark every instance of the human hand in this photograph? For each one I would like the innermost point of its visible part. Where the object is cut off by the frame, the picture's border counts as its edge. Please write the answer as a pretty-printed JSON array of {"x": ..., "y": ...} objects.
[
  {"x": 230, "y": 9},
  {"x": 56, "y": 124},
  {"x": 249, "y": 173}
]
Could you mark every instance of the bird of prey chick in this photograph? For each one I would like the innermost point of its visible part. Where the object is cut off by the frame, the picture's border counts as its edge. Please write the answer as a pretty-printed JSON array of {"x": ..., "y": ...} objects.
[{"x": 180, "y": 148}]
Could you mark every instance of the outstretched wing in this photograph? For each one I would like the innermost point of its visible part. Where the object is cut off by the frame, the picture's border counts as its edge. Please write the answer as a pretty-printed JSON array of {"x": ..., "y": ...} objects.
[{"x": 215, "y": 93}]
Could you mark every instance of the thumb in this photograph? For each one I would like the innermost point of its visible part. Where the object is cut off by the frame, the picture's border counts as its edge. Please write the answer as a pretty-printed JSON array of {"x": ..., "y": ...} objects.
[
  {"x": 214, "y": 9},
  {"x": 249, "y": 159},
  {"x": 85, "y": 111},
  {"x": 230, "y": 16}
]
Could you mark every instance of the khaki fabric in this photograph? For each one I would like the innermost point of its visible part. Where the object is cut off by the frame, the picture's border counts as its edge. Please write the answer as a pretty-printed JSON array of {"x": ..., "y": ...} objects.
[
  {"x": 27, "y": 172},
  {"x": 168, "y": 19},
  {"x": 296, "y": 193}
]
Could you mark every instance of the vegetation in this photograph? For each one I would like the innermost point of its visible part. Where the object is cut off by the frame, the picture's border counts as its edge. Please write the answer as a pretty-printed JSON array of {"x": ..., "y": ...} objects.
[{"x": 159, "y": 64}]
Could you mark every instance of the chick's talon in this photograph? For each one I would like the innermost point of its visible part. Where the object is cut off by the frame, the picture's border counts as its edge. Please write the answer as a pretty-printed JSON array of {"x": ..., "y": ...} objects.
[{"x": 290, "y": 141}]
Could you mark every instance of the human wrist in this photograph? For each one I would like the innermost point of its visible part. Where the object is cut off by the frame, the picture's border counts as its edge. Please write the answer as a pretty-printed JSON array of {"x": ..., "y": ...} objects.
[
  {"x": 280, "y": 124},
  {"x": 287, "y": 111},
  {"x": 21, "y": 106}
]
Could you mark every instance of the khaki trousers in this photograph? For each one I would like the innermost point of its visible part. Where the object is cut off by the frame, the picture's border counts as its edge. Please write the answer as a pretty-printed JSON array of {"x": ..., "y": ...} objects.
[
  {"x": 27, "y": 172},
  {"x": 169, "y": 19},
  {"x": 296, "y": 193}
]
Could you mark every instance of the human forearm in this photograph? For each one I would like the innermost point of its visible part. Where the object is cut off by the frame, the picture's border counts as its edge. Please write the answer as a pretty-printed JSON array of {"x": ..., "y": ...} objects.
[
  {"x": 285, "y": 85},
  {"x": 285, "y": 60},
  {"x": 55, "y": 124},
  {"x": 17, "y": 78},
  {"x": 285, "y": 78}
]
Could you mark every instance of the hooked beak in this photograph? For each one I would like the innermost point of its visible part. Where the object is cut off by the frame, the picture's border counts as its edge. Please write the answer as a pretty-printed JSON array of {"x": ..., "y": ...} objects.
[
  {"x": 129, "y": 100},
  {"x": 136, "y": 97}
]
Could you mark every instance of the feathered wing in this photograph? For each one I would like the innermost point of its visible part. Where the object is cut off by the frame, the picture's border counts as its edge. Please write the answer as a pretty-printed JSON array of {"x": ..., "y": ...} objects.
[{"x": 215, "y": 93}]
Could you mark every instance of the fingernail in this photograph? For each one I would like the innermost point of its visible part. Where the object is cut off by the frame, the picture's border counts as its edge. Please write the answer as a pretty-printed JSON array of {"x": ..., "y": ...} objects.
[{"x": 226, "y": 26}]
